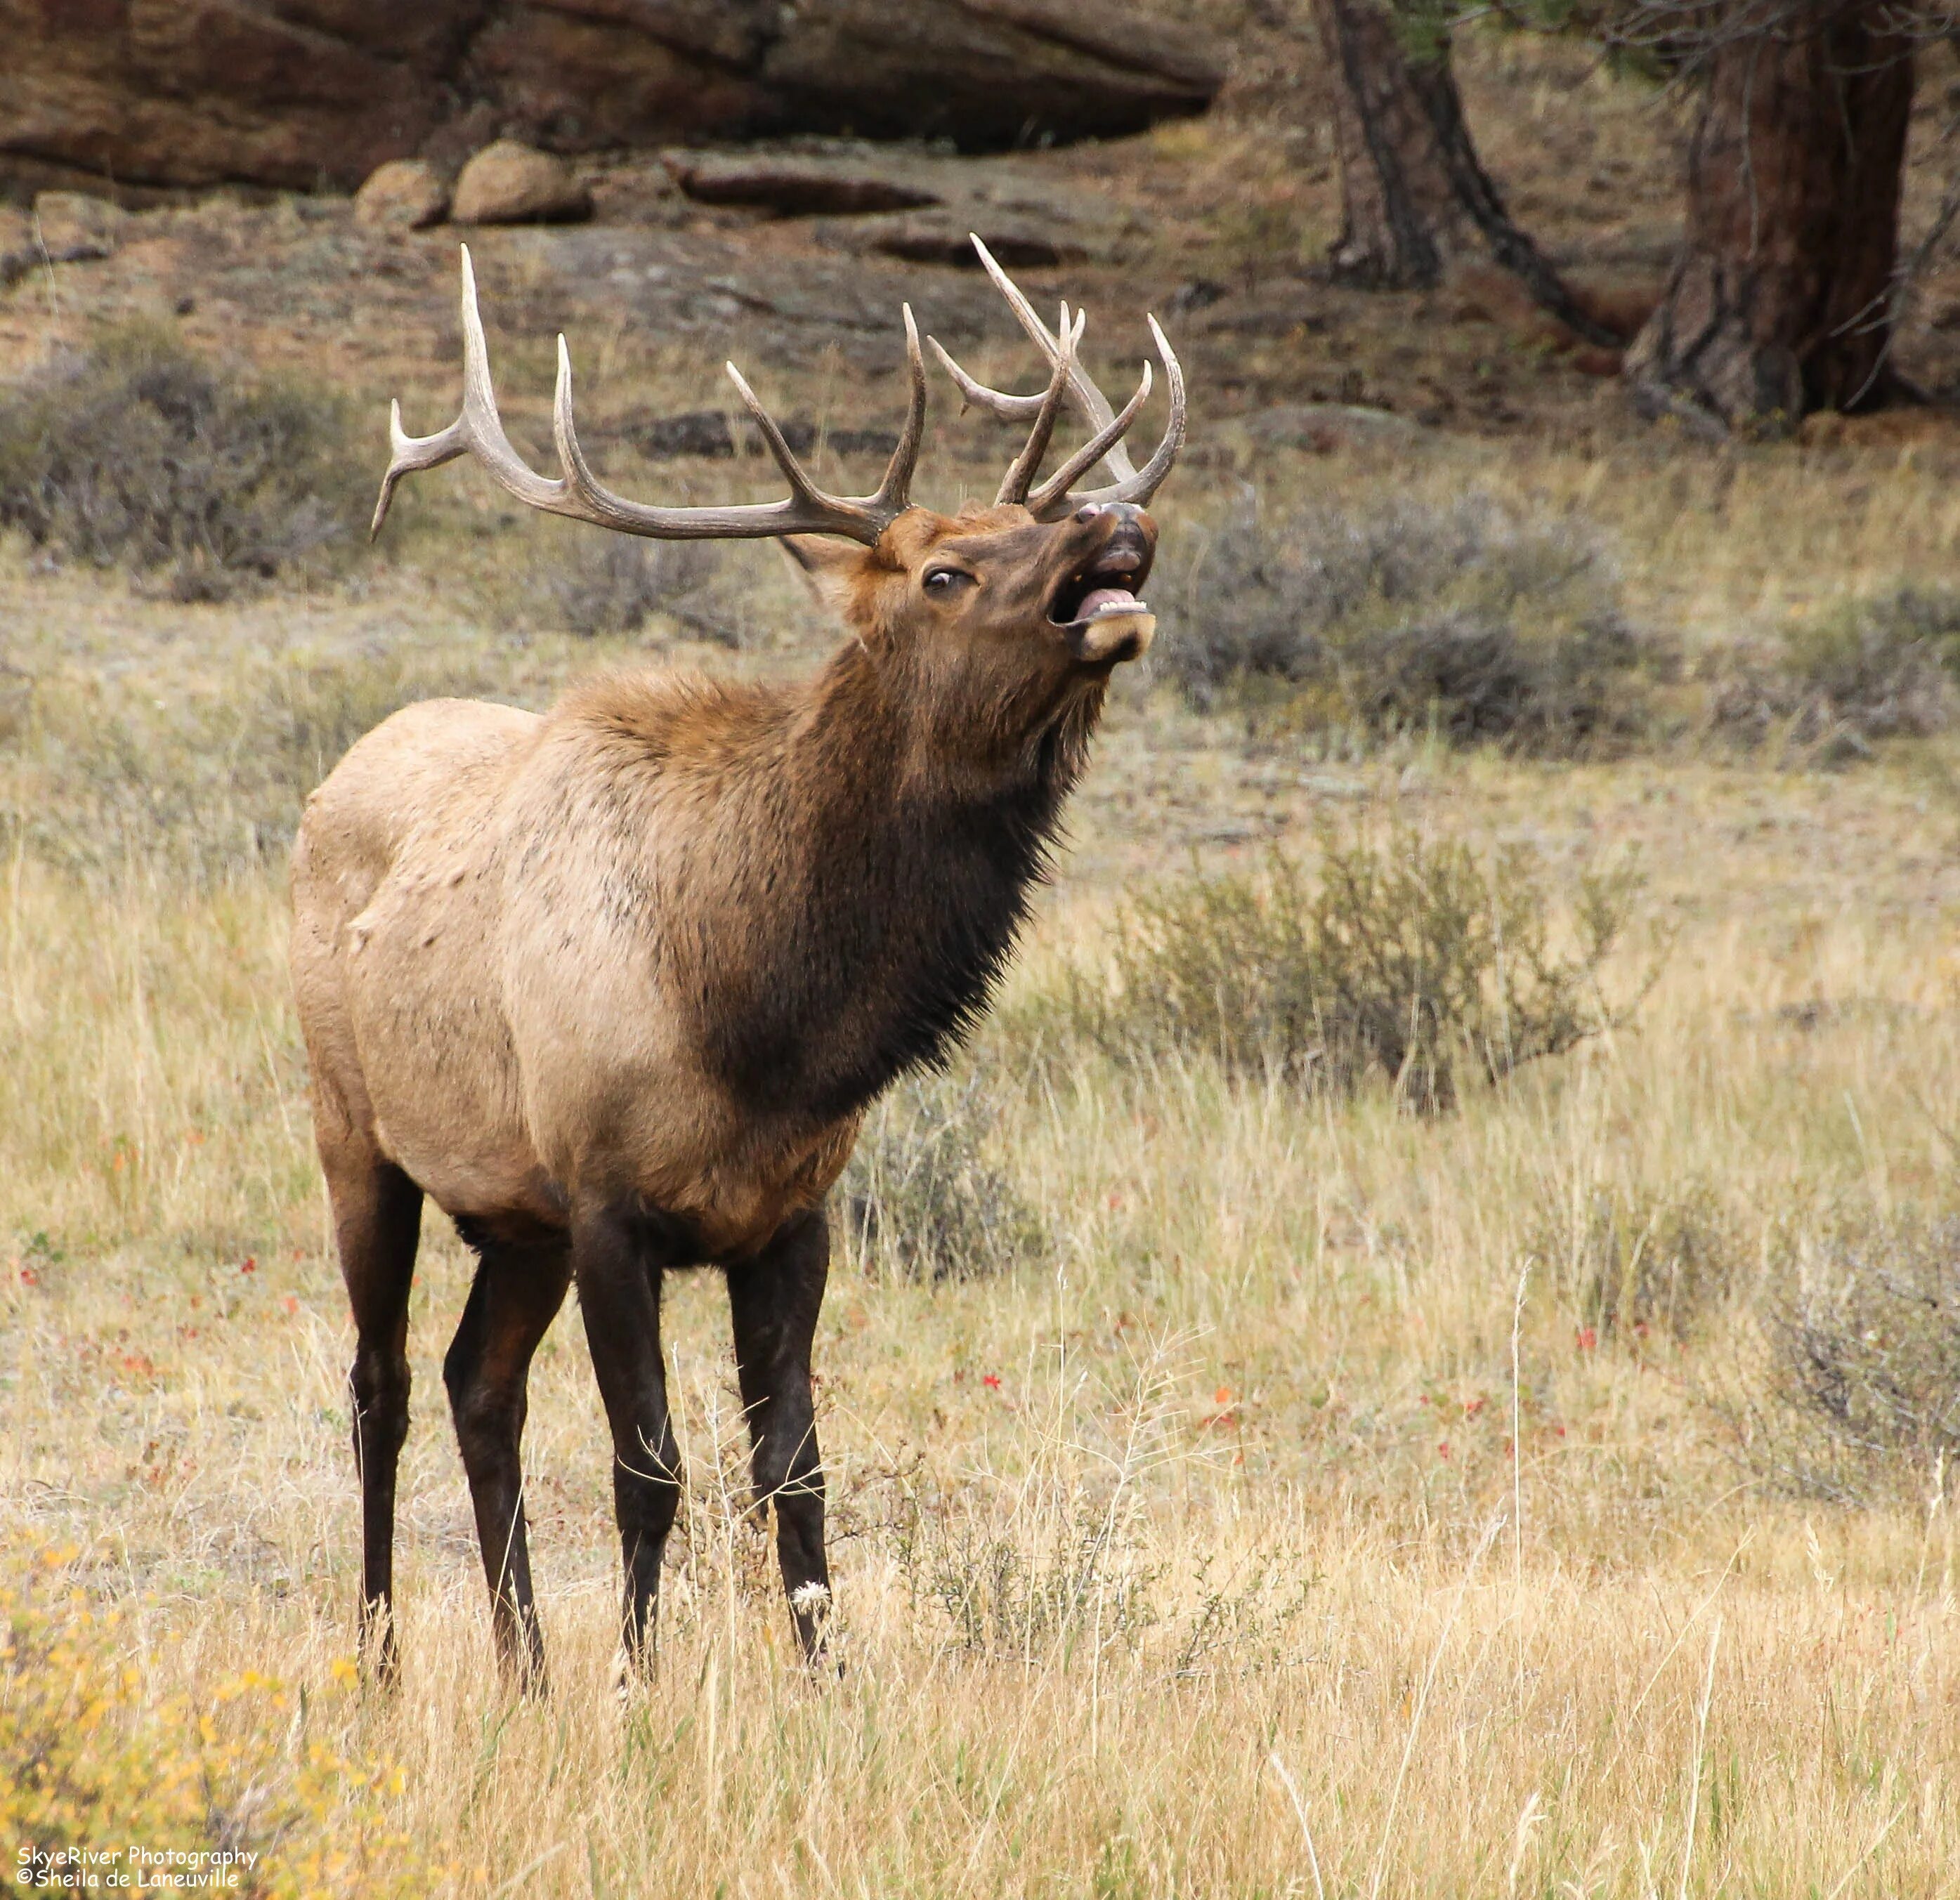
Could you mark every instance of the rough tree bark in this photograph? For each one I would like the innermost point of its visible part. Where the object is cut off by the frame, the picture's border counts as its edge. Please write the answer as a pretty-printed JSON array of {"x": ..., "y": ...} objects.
[
  {"x": 1781, "y": 302},
  {"x": 1415, "y": 197}
]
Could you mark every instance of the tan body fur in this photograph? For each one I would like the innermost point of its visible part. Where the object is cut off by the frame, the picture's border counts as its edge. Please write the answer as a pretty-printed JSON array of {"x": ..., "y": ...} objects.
[{"x": 494, "y": 918}]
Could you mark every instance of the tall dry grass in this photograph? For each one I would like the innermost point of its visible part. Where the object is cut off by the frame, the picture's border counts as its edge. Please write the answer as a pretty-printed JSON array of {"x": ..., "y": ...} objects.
[
  {"x": 1252, "y": 1533},
  {"x": 1193, "y": 1561}
]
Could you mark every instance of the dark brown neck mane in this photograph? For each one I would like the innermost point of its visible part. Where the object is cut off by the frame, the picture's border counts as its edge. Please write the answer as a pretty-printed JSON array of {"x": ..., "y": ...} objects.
[{"x": 885, "y": 886}]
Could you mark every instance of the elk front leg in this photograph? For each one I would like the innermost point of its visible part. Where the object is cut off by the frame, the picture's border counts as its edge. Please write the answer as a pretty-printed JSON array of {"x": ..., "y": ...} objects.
[
  {"x": 774, "y": 1300},
  {"x": 377, "y": 1213},
  {"x": 517, "y": 1295},
  {"x": 619, "y": 1297}
]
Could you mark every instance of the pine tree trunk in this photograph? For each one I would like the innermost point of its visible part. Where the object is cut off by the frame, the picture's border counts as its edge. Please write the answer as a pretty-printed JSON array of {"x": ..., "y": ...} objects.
[
  {"x": 1401, "y": 222},
  {"x": 1415, "y": 197},
  {"x": 1780, "y": 302}
]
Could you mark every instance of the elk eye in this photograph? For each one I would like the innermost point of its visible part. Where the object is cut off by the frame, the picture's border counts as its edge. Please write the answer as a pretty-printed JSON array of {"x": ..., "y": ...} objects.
[{"x": 943, "y": 580}]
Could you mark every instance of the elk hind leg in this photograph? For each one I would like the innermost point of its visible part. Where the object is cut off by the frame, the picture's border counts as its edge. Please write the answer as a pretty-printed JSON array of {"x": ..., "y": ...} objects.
[
  {"x": 618, "y": 1279},
  {"x": 378, "y": 1223},
  {"x": 515, "y": 1297}
]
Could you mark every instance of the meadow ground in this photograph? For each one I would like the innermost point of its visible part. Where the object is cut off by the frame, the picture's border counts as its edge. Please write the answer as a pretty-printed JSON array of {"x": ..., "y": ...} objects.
[{"x": 1320, "y": 1499}]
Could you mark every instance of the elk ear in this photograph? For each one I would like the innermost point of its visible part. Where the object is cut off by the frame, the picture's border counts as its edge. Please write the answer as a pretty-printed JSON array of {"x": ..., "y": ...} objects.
[{"x": 833, "y": 570}]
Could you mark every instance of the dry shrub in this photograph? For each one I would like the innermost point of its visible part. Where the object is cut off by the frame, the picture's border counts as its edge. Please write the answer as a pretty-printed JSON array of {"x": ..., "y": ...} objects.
[
  {"x": 594, "y": 585},
  {"x": 1461, "y": 620},
  {"x": 1637, "y": 1262},
  {"x": 1005, "y": 1593},
  {"x": 1060, "y": 1558},
  {"x": 925, "y": 1197},
  {"x": 1862, "y": 1391},
  {"x": 1404, "y": 958},
  {"x": 135, "y": 451},
  {"x": 1869, "y": 671},
  {"x": 97, "y": 778}
]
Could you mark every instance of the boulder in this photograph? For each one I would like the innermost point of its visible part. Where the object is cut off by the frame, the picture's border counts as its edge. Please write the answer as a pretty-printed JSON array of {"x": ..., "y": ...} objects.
[
  {"x": 201, "y": 92},
  {"x": 510, "y": 183},
  {"x": 406, "y": 194},
  {"x": 157, "y": 93}
]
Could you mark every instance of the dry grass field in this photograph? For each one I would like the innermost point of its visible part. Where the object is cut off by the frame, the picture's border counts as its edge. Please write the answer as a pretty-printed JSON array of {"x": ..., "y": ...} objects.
[{"x": 1300, "y": 1495}]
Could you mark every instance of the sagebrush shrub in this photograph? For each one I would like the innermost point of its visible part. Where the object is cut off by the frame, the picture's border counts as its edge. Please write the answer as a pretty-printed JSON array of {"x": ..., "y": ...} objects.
[
  {"x": 1865, "y": 671},
  {"x": 1863, "y": 1388},
  {"x": 925, "y": 1197},
  {"x": 136, "y": 452},
  {"x": 1641, "y": 1262},
  {"x": 597, "y": 585},
  {"x": 96, "y": 1748},
  {"x": 1462, "y": 620},
  {"x": 1404, "y": 957}
]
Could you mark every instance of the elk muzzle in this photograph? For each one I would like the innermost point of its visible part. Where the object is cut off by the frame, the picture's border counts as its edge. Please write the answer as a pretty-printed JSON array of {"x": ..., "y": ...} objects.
[{"x": 1098, "y": 605}]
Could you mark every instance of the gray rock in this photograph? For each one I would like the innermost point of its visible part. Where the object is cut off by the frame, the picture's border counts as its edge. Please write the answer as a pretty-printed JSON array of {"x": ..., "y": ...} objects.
[
  {"x": 510, "y": 183},
  {"x": 406, "y": 194}
]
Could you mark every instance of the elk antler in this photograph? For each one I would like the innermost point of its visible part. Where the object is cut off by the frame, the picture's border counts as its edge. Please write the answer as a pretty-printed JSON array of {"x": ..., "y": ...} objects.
[
  {"x": 1020, "y": 474},
  {"x": 1055, "y": 498},
  {"x": 580, "y": 495}
]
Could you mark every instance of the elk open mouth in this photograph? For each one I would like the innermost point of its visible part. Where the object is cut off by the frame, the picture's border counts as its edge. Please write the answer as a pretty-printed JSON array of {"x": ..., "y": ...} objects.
[{"x": 1108, "y": 586}]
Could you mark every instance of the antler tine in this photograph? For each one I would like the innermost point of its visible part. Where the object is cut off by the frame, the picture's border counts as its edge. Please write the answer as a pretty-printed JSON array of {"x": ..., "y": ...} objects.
[
  {"x": 977, "y": 395},
  {"x": 800, "y": 485},
  {"x": 895, "y": 490},
  {"x": 1021, "y": 473},
  {"x": 1055, "y": 489},
  {"x": 479, "y": 431},
  {"x": 1093, "y": 404},
  {"x": 1140, "y": 487}
]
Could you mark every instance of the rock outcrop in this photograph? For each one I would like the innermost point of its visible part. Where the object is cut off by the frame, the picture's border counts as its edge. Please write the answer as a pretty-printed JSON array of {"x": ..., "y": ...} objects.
[{"x": 296, "y": 93}]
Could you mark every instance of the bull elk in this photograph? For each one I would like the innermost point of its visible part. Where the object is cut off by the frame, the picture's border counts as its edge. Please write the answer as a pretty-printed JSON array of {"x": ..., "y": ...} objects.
[{"x": 614, "y": 986}]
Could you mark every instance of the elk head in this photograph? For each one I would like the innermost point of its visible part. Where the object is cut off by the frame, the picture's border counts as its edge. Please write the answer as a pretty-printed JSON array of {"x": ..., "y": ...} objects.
[{"x": 1002, "y": 612}]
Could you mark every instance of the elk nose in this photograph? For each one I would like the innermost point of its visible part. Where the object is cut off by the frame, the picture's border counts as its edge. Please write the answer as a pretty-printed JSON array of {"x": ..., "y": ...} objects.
[{"x": 1089, "y": 511}]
